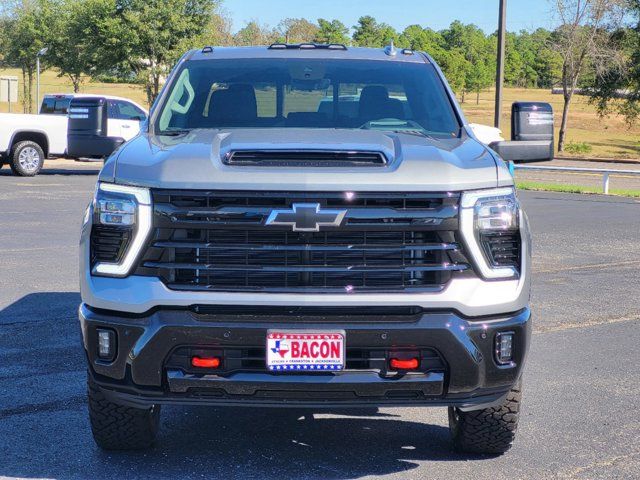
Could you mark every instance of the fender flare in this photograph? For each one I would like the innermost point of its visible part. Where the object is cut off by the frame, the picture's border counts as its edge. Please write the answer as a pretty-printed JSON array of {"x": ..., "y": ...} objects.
[{"x": 45, "y": 148}]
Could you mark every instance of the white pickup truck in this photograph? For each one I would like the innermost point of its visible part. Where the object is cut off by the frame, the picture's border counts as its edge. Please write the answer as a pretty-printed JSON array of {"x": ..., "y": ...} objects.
[{"x": 27, "y": 140}]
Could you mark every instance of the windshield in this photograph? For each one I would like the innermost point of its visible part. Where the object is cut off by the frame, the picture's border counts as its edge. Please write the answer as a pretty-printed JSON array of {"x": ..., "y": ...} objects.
[{"x": 268, "y": 93}]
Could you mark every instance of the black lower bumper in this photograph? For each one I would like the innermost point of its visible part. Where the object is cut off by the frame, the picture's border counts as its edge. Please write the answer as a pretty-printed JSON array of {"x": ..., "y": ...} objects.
[
  {"x": 91, "y": 146},
  {"x": 461, "y": 369}
]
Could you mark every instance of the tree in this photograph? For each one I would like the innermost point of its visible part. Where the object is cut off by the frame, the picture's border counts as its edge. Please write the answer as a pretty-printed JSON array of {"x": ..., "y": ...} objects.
[
  {"x": 369, "y": 33},
  {"x": 455, "y": 66},
  {"x": 4, "y": 36},
  {"x": 514, "y": 64},
  {"x": 583, "y": 42},
  {"x": 5, "y": 26},
  {"x": 445, "y": 51},
  {"x": 625, "y": 77},
  {"x": 72, "y": 48},
  {"x": 531, "y": 60},
  {"x": 479, "y": 77},
  {"x": 216, "y": 32},
  {"x": 154, "y": 33},
  {"x": 105, "y": 40},
  {"x": 547, "y": 61},
  {"x": 253, "y": 33},
  {"x": 29, "y": 28},
  {"x": 471, "y": 43},
  {"x": 366, "y": 33},
  {"x": 387, "y": 34},
  {"x": 333, "y": 31},
  {"x": 417, "y": 38},
  {"x": 297, "y": 30}
]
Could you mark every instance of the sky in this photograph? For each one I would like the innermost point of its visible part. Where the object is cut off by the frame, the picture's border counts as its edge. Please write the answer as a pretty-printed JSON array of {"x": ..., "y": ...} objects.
[{"x": 436, "y": 14}]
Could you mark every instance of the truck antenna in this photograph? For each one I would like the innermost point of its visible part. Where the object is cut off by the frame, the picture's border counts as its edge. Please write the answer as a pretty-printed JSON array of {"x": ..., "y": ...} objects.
[{"x": 390, "y": 49}]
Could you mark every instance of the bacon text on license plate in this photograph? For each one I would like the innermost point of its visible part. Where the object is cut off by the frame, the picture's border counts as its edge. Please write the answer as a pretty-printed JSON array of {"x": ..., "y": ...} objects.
[{"x": 305, "y": 351}]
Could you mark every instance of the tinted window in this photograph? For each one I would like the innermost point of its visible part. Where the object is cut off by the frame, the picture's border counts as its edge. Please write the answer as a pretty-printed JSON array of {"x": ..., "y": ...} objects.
[
  {"x": 122, "y": 110},
  {"x": 308, "y": 93},
  {"x": 55, "y": 105},
  {"x": 128, "y": 111}
]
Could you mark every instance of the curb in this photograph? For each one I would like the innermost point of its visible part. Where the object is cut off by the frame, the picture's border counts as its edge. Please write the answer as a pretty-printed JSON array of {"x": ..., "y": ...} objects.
[{"x": 600, "y": 160}]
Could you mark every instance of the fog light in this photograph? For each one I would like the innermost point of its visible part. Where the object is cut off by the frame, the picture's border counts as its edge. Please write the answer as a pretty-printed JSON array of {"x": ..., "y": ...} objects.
[
  {"x": 504, "y": 347},
  {"x": 106, "y": 344}
]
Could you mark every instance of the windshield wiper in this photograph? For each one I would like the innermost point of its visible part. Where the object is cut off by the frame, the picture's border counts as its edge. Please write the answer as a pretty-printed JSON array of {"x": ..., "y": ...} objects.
[
  {"x": 418, "y": 133},
  {"x": 174, "y": 133}
]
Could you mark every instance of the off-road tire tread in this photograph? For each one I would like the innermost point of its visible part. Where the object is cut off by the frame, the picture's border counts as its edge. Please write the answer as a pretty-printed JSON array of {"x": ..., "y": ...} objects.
[
  {"x": 118, "y": 427},
  {"x": 489, "y": 431}
]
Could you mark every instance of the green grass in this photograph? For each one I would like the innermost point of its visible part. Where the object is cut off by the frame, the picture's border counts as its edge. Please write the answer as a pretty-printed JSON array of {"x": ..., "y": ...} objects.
[
  {"x": 578, "y": 148},
  {"x": 551, "y": 187}
]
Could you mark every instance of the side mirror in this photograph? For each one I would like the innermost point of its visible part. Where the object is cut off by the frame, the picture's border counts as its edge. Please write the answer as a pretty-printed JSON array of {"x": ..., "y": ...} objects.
[{"x": 532, "y": 134}]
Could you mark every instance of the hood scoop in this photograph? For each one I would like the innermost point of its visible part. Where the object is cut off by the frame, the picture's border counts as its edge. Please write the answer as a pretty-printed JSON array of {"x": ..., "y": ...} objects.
[{"x": 304, "y": 158}]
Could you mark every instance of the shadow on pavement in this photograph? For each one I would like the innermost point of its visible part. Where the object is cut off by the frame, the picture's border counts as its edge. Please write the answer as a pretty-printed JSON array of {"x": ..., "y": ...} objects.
[
  {"x": 45, "y": 432},
  {"x": 42, "y": 307}
]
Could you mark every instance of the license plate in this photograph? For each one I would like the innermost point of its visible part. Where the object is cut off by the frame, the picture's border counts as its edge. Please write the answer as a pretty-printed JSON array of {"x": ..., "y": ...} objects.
[{"x": 309, "y": 351}]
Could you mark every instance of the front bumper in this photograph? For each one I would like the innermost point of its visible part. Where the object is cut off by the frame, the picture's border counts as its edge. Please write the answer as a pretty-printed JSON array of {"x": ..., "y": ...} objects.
[{"x": 468, "y": 377}]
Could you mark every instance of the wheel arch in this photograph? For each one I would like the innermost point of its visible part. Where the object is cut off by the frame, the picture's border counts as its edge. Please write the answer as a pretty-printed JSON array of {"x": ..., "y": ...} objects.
[{"x": 36, "y": 136}]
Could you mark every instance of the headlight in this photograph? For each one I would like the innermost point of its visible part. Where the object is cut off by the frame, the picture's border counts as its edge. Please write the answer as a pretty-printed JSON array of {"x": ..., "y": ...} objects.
[
  {"x": 121, "y": 226},
  {"x": 490, "y": 223}
]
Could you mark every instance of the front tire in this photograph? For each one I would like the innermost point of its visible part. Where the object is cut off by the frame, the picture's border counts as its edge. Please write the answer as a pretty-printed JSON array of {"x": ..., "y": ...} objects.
[
  {"x": 26, "y": 159},
  {"x": 489, "y": 431},
  {"x": 118, "y": 427}
]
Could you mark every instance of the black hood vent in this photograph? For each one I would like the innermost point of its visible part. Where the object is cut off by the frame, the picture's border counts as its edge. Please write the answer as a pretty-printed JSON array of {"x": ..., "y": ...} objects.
[{"x": 304, "y": 158}]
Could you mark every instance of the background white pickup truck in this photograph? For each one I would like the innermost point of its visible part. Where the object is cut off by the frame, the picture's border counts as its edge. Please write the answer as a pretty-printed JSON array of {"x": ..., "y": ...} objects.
[
  {"x": 26, "y": 140},
  {"x": 487, "y": 134}
]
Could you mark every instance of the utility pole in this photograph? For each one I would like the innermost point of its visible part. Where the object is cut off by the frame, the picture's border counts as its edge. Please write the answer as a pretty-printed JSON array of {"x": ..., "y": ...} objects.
[
  {"x": 37, "y": 82},
  {"x": 502, "y": 33},
  {"x": 38, "y": 55}
]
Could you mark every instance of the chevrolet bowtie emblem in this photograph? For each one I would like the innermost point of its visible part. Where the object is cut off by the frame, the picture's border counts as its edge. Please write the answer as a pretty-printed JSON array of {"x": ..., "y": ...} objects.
[{"x": 306, "y": 217}]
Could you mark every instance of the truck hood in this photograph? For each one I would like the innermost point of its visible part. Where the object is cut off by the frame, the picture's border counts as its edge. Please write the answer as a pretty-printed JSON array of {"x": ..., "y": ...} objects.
[{"x": 195, "y": 161}]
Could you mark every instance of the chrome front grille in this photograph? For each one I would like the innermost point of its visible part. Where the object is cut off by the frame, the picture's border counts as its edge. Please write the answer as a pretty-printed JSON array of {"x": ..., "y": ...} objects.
[{"x": 213, "y": 240}]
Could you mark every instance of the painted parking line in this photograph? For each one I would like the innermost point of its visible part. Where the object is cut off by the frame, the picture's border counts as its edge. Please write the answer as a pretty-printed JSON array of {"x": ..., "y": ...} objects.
[
  {"x": 35, "y": 249},
  {"x": 588, "y": 267},
  {"x": 538, "y": 329}
]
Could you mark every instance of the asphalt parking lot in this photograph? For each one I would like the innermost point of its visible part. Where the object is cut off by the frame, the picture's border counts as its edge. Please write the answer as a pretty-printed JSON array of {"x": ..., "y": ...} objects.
[{"x": 582, "y": 382}]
